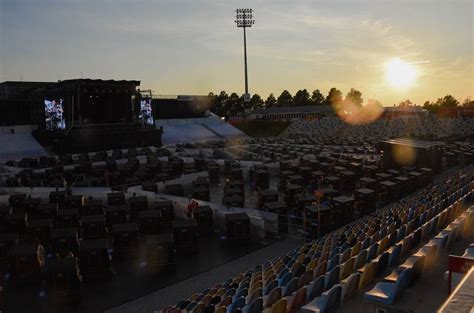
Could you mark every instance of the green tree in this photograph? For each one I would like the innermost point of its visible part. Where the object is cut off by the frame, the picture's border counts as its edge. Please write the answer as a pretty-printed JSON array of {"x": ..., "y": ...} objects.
[
  {"x": 405, "y": 103},
  {"x": 334, "y": 97},
  {"x": 234, "y": 105},
  {"x": 285, "y": 99},
  {"x": 301, "y": 98},
  {"x": 219, "y": 103},
  {"x": 430, "y": 107},
  {"x": 271, "y": 102},
  {"x": 354, "y": 96},
  {"x": 317, "y": 97},
  {"x": 468, "y": 103},
  {"x": 256, "y": 102},
  {"x": 447, "y": 101}
]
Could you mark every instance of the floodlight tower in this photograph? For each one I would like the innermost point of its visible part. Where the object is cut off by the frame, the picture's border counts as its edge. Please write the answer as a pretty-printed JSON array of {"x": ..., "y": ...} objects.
[{"x": 244, "y": 19}]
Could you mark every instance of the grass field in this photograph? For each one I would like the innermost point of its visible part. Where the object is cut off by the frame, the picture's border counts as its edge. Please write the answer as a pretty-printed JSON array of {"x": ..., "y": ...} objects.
[{"x": 262, "y": 128}]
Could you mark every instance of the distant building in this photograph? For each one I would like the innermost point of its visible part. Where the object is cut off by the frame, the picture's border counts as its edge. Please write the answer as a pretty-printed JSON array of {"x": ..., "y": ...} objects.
[
  {"x": 403, "y": 111},
  {"x": 288, "y": 113}
]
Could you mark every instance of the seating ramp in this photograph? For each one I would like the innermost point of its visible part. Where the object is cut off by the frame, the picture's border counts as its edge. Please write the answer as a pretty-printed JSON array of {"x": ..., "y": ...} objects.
[
  {"x": 18, "y": 146},
  {"x": 226, "y": 130},
  {"x": 186, "y": 133}
]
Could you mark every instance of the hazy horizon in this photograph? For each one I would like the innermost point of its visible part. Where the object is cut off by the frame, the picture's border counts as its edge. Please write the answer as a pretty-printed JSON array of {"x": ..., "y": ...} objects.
[{"x": 194, "y": 47}]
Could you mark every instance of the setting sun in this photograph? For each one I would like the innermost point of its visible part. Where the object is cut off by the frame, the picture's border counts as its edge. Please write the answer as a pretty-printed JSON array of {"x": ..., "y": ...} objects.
[{"x": 400, "y": 74}]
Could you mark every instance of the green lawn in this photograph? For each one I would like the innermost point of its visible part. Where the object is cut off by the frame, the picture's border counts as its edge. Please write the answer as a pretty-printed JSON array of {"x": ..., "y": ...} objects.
[{"x": 262, "y": 128}]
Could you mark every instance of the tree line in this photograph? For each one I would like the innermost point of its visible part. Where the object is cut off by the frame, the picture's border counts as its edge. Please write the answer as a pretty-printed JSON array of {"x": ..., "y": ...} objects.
[
  {"x": 447, "y": 101},
  {"x": 226, "y": 105}
]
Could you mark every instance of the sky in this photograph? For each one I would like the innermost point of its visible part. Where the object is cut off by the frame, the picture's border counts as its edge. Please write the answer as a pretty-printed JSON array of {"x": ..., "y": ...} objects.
[{"x": 194, "y": 47}]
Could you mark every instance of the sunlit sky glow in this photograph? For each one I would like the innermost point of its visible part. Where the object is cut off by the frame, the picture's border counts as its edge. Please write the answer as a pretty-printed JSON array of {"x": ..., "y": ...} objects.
[{"x": 193, "y": 47}]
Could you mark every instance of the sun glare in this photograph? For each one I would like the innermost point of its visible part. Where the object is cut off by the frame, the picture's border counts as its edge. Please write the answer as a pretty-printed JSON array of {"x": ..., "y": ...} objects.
[{"x": 400, "y": 74}]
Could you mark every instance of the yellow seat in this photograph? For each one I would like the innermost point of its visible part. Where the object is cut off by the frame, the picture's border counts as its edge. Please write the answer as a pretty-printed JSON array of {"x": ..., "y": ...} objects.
[
  {"x": 300, "y": 259},
  {"x": 305, "y": 279},
  {"x": 367, "y": 274},
  {"x": 347, "y": 268},
  {"x": 198, "y": 308},
  {"x": 278, "y": 307},
  {"x": 206, "y": 300},
  {"x": 254, "y": 294},
  {"x": 297, "y": 300},
  {"x": 355, "y": 249},
  {"x": 221, "y": 309},
  {"x": 312, "y": 264},
  {"x": 375, "y": 237},
  {"x": 255, "y": 286},
  {"x": 343, "y": 257},
  {"x": 256, "y": 278},
  {"x": 383, "y": 245},
  {"x": 267, "y": 273},
  {"x": 221, "y": 292},
  {"x": 320, "y": 269},
  {"x": 410, "y": 227},
  {"x": 278, "y": 268},
  {"x": 295, "y": 266},
  {"x": 269, "y": 280}
]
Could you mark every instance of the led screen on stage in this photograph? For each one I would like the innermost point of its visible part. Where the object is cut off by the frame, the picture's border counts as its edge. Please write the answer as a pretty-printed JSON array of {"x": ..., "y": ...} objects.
[
  {"x": 146, "y": 115},
  {"x": 54, "y": 114}
]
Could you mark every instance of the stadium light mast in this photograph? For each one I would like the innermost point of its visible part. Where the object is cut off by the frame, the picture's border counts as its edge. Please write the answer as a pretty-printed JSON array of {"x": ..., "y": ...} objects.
[{"x": 244, "y": 19}]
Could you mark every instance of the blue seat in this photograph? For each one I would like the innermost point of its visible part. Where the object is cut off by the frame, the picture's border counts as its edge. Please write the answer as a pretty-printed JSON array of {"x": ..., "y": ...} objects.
[
  {"x": 290, "y": 288},
  {"x": 215, "y": 300},
  {"x": 315, "y": 288},
  {"x": 300, "y": 270},
  {"x": 211, "y": 308},
  {"x": 328, "y": 301},
  {"x": 385, "y": 292},
  {"x": 282, "y": 273},
  {"x": 255, "y": 307},
  {"x": 401, "y": 233},
  {"x": 236, "y": 304},
  {"x": 200, "y": 296},
  {"x": 383, "y": 232},
  {"x": 334, "y": 251},
  {"x": 344, "y": 247},
  {"x": 414, "y": 263},
  {"x": 333, "y": 262},
  {"x": 332, "y": 278},
  {"x": 416, "y": 237},
  {"x": 182, "y": 304},
  {"x": 382, "y": 262},
  {"x": 372, "y": 252},
  {"x": 269, "y": 287},
  {"x": 441, "y": 240},
  {"x": 394, "y": 258},
  {"x": 350, "y": 286},
  {"x": 241, "y": 293},
  {"x": 422, "y": 219},
  {"x": 229, "y": 293},
  {"x": 392, "y": 239},
  {"x": 191, "y": 306},
  {"x": 434, "y": 224},
  {"x": 365, "y": 244},
  {"x": 243, "y": 286},
  {"x": 285, "y": 279}
]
